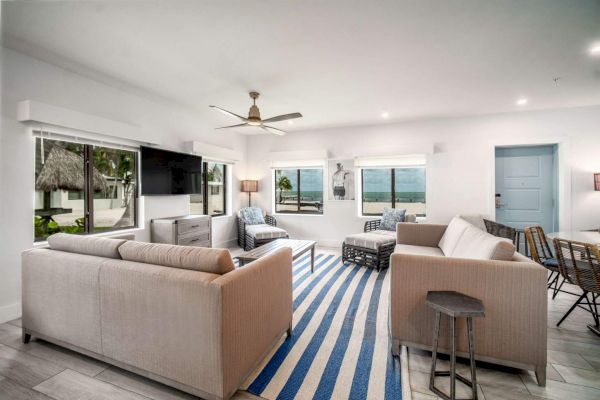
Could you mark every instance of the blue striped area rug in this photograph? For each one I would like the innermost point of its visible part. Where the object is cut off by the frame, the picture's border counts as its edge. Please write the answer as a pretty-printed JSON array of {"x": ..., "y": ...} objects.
[{"x": 340, "y": 345}]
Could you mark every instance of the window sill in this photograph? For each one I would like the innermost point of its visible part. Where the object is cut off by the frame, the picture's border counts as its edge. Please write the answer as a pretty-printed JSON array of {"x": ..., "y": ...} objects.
[
  {"x": 297, "y": 214},
  {"x": 43, "y": 244},
  {"x": 222, "y": 216}
]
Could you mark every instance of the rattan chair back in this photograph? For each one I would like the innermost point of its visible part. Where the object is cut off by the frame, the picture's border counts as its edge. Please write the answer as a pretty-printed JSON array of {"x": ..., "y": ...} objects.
[
  {"x": 500, "y": 230},
  {"x": 579, "y": 263},
  {"x": 536, "y": 238}
]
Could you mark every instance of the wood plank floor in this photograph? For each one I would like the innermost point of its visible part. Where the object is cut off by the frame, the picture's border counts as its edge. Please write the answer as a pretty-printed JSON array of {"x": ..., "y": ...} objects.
[{"x": 41, "y": 370}]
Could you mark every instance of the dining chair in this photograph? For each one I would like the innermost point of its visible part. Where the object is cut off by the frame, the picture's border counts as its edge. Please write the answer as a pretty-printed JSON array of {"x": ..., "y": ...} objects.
[
  {"x": 579, "y": 264},
  {"x": 541, "y": 254}
]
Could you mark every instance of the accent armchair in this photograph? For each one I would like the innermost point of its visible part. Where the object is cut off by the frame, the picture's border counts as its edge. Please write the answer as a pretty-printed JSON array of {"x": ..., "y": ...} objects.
[{"x": 255, "y": 233}]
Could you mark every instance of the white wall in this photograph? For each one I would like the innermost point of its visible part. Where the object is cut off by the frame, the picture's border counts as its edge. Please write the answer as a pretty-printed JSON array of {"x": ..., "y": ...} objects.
[
  {"x": 25, "y": 78},
  {"x": 460, "y": 171}
]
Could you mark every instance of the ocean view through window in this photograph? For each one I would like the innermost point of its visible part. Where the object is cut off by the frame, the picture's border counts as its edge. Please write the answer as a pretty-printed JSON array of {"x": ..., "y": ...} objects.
[
  {"x": 299, "y": 191},
  {"x": 394, "y": 188}
]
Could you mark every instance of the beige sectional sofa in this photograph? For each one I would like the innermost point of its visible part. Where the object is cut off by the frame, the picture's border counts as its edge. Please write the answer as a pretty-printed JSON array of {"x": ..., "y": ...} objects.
[
  {"x": 179, "y": 315},
  {"x": 465, "y": 259}
]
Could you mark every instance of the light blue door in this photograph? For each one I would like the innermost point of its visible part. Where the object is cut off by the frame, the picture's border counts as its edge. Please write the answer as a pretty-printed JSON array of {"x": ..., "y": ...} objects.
[{"x": 525, "y": 187}]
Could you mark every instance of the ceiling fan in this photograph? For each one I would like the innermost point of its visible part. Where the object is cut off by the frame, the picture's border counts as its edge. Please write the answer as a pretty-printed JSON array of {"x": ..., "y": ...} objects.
[{"x": 254, "y": 117}]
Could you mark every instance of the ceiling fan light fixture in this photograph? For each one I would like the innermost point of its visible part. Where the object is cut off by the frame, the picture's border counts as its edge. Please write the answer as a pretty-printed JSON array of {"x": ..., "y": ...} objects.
[{"x": 254, "y": 118}]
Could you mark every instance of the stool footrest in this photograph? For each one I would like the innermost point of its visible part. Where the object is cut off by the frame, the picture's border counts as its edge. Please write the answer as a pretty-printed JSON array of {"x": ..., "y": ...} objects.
[{"x": 458, "y": 376}]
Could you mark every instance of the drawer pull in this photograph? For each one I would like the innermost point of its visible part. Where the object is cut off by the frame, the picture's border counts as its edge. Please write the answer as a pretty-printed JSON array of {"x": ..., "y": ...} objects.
[
  {"x": 195, "y": 226},
  {"x": 194, "y": 240}
]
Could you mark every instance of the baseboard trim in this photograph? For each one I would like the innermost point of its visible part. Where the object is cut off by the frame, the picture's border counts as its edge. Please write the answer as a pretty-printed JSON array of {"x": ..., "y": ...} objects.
[{"x": 10, "y": 312}]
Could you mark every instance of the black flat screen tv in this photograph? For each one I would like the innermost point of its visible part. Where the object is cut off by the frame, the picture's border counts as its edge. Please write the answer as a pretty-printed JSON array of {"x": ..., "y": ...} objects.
[{"x": 169, "y": 173}]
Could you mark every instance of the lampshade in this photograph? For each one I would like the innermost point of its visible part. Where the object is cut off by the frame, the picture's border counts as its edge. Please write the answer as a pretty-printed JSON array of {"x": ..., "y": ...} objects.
[
  {"x": 597, "y": 181},
  {"x": 249, "y": 186}
]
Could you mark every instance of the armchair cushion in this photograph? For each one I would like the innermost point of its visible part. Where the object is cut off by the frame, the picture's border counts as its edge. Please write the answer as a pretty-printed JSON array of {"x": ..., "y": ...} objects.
[
  {"x": 391, "y": 217},
  {"x": 369, "y": 240},
  {"x": 252, "y": 216},
  {"x": 391, "y": 234},
  {"x": 264, "y": 231}
]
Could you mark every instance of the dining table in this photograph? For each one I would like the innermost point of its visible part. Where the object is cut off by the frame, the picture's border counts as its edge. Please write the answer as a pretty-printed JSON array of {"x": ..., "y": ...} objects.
[{"x": 589, "y": 237}]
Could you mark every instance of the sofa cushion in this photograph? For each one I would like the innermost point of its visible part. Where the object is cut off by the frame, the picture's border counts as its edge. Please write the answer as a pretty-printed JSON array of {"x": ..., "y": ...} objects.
[
  {"x": 454, "y": 231},
  {"x": 391, "y": 217},
  {"x": 89, "y": 245},
  {"x": 475, "y": 219},
  {"x": 264, "y": 231},
  {"x": 369, "y": 240},
  {"x": 214, "y": 261},
  {"x": 252, "y": 215},
  {"x": 418, "y": 250},
  {"x": 385, "y": 233},
  {"x": 475, "y": 243}
]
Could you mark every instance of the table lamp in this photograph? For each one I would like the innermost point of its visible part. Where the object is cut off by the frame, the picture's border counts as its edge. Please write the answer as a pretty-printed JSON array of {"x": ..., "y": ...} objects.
[{"x": 249, "y": 186}]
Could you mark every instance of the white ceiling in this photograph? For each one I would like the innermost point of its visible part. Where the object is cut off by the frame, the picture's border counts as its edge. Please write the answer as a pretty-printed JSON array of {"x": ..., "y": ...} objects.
[{"x": 337, "y": 62}]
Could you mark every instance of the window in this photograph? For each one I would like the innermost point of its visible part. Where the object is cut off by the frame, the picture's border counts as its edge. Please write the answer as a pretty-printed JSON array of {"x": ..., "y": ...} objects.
[
  {"x": 71, "y": 198},
  {"x": 299, "y": 191},
  {"x": 394, "y": 188},
  {"x": 213, "y": 199},
  {"x": 214, "y": 180}
]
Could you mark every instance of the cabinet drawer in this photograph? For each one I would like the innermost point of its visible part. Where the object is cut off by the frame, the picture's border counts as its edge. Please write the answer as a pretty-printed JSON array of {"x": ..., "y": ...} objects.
[
  {"x": 201, "y": 239},
  {"x": 191, "y": 226}
]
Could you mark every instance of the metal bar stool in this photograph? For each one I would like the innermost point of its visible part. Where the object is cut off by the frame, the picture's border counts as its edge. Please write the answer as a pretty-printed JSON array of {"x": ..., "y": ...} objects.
[{"x": 455, "y": 305}]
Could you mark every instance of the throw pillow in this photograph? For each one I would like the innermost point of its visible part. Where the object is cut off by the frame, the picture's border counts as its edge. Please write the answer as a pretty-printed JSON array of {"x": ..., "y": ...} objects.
[
  {"x": 252, "y": 216},
  {"x": 391, "y": 216}
]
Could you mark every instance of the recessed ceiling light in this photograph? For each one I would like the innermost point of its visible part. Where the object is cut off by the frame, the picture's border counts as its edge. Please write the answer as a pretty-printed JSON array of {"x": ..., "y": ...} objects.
[
  {"x": 522, "y": 101},
  {"x": 595, "y": 49},
  {"x": 385, "y": 114},
  {"x": 290, "y": 122}
]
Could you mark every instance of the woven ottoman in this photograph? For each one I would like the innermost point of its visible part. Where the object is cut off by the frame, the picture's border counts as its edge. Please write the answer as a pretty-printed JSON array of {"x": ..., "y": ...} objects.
[{"x": 371, "y": 249}]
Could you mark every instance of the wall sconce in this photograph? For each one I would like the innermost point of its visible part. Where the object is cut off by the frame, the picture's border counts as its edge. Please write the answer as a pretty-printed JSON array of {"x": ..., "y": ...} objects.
[
  {"x": 597, "y": 181},
  {"x": 249, "y": 186}
]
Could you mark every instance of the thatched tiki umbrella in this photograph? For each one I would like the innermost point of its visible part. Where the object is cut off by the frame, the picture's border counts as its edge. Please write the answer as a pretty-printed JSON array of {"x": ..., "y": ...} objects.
[{"x": 63, "y": 170}]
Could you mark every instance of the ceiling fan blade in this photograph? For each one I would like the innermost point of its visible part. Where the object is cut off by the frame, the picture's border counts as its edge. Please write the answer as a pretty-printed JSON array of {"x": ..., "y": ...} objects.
[
  {"x": 272, "y": 130},
  {"x": 229, "y": 113},
  {"x": 232, "y": 126},
  {"x": 283, "y": 117}
]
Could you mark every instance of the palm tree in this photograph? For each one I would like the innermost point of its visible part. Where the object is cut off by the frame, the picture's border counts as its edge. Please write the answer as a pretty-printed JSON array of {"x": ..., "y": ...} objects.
[{"x": 283, "y": 183}]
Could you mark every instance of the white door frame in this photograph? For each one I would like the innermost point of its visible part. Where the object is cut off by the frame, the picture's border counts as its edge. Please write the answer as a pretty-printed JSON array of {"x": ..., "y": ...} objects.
[{"x": 564, "y": 174}]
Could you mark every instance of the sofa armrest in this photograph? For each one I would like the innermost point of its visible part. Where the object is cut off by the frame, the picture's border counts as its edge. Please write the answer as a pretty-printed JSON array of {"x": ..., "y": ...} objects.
[
  {"x": 271, "y": 220},
  {"x": 257, "y": 309},
  {"x": 372, "y": 225},
  {"x": 514, "y": 295},
  {"x": 241, "y": 225},
  {"x": 419, "y": 234}
]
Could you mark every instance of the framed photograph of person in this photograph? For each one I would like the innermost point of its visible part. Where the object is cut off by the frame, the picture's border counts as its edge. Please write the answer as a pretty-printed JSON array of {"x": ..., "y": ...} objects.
[{"x": 341, "y": 179}]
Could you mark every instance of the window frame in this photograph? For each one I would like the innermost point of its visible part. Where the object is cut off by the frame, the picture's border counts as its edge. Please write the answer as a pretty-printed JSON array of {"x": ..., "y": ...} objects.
[
  {"x": 88, "y": 189},
  {"x": 205, "y": 188},
  {"x": 393, "y": 188},
  {"x": 299, "y": 191}
]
